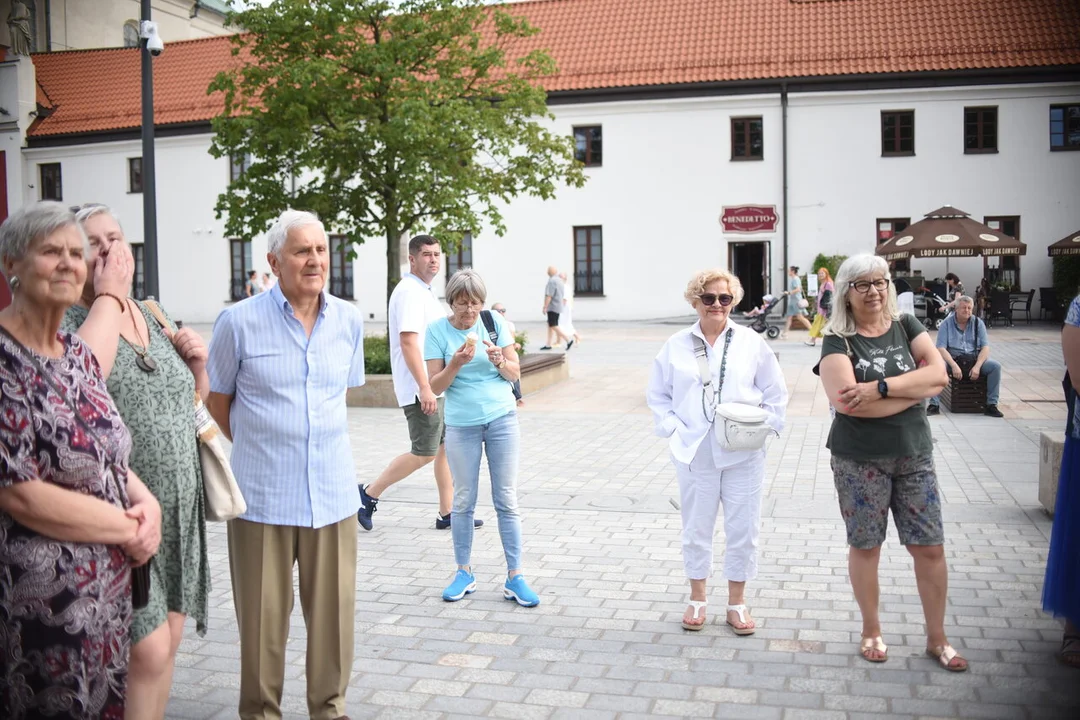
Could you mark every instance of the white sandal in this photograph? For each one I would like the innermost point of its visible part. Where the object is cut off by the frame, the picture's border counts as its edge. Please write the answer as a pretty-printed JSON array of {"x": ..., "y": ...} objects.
[
  {"x": 741, "y": 611},
  {"x": 699, "y": 611}
]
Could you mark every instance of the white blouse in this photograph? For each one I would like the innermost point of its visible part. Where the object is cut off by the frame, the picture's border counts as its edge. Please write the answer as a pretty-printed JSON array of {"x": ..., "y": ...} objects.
[{"x": 674, "y": 394}]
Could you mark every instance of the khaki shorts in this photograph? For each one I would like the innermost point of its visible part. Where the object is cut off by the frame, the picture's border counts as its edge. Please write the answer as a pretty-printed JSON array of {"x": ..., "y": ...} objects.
[{"x": 427, "y": 432}]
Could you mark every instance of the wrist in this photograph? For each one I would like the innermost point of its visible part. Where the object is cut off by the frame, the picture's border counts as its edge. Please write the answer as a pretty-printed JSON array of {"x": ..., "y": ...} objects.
[{"x": 113, "y": 296}]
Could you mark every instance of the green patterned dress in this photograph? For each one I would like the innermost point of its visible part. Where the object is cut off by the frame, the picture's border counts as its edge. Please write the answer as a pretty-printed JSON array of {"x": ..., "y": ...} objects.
[{"x": 158, "y": 409}]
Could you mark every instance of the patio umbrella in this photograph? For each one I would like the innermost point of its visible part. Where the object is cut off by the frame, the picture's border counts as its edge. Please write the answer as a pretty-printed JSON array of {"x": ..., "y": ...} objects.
[
  {"x": 1068, "y": 245},
  {"x": 949, "y": 232}
]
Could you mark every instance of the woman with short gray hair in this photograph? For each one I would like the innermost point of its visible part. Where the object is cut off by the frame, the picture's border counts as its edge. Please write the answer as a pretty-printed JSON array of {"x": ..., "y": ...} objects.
[
  {"x": 480, "y": 416},
  {"x": 74, "y": 518}
]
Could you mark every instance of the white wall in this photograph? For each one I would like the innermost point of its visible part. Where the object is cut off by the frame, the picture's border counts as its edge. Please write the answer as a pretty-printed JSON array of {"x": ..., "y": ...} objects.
[{"x": 80, "y": 24}]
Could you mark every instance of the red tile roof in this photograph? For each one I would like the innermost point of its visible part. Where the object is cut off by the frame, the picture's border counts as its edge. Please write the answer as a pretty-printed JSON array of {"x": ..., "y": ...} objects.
[{"x": 632, "y": 43}]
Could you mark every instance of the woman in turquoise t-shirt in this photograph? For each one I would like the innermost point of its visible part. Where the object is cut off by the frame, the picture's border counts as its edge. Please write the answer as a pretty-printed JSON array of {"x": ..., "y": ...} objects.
[{"x": 476, "y": 375}]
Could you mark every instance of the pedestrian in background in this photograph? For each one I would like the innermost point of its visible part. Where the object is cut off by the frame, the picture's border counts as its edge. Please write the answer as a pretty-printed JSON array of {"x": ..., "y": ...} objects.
[
  {"x": 797, "y": 304},
  {"x": 826, "y": 290}
]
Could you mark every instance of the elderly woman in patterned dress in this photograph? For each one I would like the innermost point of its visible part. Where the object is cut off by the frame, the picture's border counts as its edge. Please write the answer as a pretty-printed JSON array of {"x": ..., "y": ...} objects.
[
  {"x": 152, "y": 374},
  {"x": 67, "y": 544}
]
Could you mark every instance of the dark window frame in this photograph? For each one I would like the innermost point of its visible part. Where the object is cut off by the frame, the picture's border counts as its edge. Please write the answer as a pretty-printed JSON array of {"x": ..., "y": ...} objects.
[
  {"x": 462, "y": 258},
  {"x": 590, "y": 157},
  {"x": 583, "y": 285},
  {"x": 896, "y": 225},
  {"x": 51, "y": 186},
  {"x": 984, "y": 115},
  {"x": 1013, "y": 260},
  {"x": 745, "y": 136},
  {"x": 896, "y": 141},
  {"x": 135, "y": 175},
  {"x": 341, "y": 281},
  {"x": 237, "y": 169},
  {"x": 239, "y": 249},
  {"x": 1065, "y": 146},
  {"x": 138, "y": 278}
]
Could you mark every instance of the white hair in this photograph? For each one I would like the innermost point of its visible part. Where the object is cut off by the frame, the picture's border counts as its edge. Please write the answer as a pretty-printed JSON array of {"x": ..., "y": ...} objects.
[
  {"x": 856, "y": 267},
  {"x": 32, "y": 224},
  {"x": 286, "y": 223},
  {"x": 89, "y": 210},
  {"x": 965, "y": 299}
]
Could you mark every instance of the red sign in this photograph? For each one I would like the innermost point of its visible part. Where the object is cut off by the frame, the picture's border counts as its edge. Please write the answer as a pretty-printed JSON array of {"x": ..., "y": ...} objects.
[{"x": 749, "y": 219}]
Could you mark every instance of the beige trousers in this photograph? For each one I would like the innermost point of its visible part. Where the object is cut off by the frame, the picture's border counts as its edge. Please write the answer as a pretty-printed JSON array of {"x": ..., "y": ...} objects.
[{"x": 261, "y": 559}]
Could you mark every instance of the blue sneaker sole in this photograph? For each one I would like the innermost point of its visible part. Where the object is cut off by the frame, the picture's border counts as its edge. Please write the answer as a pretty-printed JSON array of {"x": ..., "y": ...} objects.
[
  {"x": 511, "y": 595},
  {"x": 470, "y": 588}
]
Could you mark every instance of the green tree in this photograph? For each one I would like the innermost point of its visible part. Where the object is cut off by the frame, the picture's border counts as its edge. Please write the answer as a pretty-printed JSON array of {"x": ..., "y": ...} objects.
[{"x": 387, "y": 117}]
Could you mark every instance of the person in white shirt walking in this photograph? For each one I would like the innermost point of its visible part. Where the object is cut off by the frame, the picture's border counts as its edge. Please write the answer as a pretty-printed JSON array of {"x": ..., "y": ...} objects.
[
  {"x": 413, "y": 306},
  {"x": 743, "y": 371}
]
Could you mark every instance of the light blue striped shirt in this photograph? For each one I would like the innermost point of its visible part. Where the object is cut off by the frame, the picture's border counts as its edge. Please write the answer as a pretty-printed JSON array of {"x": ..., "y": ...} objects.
[{"x": 291, "y": 453}]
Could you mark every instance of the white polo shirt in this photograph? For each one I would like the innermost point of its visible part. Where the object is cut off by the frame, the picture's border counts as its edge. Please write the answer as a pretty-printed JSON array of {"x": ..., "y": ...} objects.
[{"x": 413, "y": 306}]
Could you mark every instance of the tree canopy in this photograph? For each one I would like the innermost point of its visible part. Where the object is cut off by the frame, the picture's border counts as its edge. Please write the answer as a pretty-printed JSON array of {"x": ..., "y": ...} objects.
[{"x": 385, "y": 118}]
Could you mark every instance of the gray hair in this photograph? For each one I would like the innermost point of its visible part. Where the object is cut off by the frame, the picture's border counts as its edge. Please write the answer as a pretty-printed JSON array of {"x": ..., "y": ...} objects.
[
  {"x": 32, "y": 224},
  {"x": 287, "y": 222},
  {"x": 965, "y": 299},
  {"x": 466, "y": 282},
  {"x": 842, "y": 322},
  {"x": 89, "y": 210}
]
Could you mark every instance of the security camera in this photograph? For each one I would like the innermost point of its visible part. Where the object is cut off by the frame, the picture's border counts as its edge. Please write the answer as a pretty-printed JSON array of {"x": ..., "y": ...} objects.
[{"x": 148, "y": 31}]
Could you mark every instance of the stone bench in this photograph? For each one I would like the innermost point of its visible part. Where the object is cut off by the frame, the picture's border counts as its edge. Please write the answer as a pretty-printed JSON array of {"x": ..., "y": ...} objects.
[{"x": 1051, "y": 446}]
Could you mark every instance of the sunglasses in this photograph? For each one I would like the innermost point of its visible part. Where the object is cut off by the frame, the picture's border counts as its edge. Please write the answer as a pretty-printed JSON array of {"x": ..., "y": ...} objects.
[
  {"x": 708, "y": 299},
  {"x": 501, "y": 310}
]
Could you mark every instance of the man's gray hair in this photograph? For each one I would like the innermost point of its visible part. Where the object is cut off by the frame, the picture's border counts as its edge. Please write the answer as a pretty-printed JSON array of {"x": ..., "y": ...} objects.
[
  {"x": 858, "y": 267},
  {"x": 466, "y": 282},
  {"x": 288, "y": 221},
  {"x": 32, "y": 224},
  {"x": 965, "y": 299}
]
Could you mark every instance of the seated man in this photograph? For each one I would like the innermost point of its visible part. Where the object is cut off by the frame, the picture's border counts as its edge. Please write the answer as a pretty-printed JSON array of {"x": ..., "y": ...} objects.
[{"x": 962, "y": 341}]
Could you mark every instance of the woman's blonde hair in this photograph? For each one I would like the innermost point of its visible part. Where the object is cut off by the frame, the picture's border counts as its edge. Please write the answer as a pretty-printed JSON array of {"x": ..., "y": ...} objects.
[
  {"x": 842, "y": 322},
  {"x": 703, "y": 279}
]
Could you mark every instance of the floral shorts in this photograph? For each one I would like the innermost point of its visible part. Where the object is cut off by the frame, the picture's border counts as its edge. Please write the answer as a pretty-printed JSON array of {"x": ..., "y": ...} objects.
[{"x": 867, "y": 489}]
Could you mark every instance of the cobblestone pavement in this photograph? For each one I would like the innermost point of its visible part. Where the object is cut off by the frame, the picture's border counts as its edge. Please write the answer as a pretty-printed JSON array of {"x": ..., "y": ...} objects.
[{"x": 601, "y": 530}]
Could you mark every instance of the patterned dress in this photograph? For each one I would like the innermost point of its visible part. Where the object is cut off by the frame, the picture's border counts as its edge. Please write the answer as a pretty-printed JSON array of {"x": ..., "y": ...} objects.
[
  {"x": 159, "y": 410},
  {"x": 65, "y": 607}
]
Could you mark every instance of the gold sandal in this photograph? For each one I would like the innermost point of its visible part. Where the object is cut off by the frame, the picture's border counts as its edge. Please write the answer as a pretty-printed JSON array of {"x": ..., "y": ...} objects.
[
  {"x": 874, "y": 643},
  {"x": 945, "y": 654}
]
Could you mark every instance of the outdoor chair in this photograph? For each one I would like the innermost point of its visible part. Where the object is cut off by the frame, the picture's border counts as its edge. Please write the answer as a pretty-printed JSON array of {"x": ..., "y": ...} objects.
[
  {"x": 964, "y": 396},
  {"x": 1022, "y": 304},
  {"x": 1047, "y": 303},
  {"x": 1000, "y": 307}
]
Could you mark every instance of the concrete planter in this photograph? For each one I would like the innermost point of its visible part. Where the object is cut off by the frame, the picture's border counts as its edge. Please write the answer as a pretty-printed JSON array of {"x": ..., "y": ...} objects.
[{"x": 1051, "y": 446}]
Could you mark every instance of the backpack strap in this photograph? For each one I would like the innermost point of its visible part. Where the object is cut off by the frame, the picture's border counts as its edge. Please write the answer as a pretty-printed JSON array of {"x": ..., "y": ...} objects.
[{"x": 489, "y": 324}]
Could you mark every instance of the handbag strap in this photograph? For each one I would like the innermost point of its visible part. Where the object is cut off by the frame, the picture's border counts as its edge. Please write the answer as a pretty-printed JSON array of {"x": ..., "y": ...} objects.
[
  {"x": 156, "y": 311},
  {"x": 56, "y": 388},
  {"x": 701, "y": 355}
]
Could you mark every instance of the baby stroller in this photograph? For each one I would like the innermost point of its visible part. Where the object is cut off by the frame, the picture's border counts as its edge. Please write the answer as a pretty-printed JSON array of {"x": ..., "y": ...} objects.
[
  {"x": 930, "y": 305},
  {"x": 761, "y": 318}
]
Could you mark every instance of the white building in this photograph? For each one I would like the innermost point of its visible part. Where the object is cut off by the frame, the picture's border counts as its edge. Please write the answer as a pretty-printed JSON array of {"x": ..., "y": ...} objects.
[{"x": 675, "y": 125}]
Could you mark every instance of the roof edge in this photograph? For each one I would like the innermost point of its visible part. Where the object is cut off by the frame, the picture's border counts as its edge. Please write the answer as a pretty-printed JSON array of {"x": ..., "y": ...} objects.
[{"x": 194, "y": 127}]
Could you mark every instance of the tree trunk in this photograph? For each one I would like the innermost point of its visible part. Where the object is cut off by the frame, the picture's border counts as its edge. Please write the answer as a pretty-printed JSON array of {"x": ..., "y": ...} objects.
[{"x": 393, "y": 259}]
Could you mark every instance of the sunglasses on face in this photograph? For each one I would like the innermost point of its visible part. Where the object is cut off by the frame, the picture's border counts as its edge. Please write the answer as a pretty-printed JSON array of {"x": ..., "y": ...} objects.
[
  {"x": 501, "y": 311},
  {"x": 863, "y": 286},
  {"x": 709, "y": 299}
]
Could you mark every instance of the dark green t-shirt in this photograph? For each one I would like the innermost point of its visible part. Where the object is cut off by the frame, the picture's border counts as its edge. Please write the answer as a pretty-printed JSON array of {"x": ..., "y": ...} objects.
[{"x": 900, "y": 435}]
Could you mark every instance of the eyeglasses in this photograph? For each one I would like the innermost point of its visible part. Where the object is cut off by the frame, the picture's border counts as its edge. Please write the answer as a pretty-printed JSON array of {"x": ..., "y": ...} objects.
[
  {"x": 501, "y": 311},
  {"x": 863, "y": 286},
  {"x": 708, "y": 299},
  {"x": 461, "y": 305}
]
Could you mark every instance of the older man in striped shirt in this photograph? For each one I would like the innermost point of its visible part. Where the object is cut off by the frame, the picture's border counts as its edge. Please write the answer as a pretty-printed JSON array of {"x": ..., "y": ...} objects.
[{"x": 280, "y": 364}]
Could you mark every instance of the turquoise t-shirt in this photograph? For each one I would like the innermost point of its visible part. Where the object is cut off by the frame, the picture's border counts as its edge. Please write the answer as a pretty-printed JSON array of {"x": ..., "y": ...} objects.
[{"x": 478, "y": 394}]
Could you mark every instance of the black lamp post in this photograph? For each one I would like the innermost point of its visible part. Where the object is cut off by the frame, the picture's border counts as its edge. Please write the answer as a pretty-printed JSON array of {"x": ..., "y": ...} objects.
[{"x": 151, "y": 45}]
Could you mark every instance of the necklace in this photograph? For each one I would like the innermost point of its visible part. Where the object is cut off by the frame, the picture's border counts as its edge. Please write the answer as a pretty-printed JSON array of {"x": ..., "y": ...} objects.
[{"x": 142, "y": 354}]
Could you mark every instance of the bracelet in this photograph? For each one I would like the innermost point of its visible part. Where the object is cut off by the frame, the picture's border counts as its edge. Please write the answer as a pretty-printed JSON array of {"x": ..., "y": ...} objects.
[{"x": 123, "y": 305}]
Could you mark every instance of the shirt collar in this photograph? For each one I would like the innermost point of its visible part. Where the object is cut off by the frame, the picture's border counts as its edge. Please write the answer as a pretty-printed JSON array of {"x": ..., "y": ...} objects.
[
  {"x": 695, "y": 329},
  {"x": 418, "y": 279},
  {"x": 282, "y": 302}
]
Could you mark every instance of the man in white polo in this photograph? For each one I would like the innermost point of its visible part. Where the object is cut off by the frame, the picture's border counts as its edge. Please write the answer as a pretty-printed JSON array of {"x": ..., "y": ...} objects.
[{"x": 413, "y": 306}]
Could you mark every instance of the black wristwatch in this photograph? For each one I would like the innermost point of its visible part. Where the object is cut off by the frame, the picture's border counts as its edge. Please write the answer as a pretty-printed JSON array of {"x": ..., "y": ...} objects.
[{"x": 883, "y": 388}]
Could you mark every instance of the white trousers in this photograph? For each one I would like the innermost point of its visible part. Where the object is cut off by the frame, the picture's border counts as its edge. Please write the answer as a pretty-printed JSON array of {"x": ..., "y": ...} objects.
[{"x": 703, "y": 489}]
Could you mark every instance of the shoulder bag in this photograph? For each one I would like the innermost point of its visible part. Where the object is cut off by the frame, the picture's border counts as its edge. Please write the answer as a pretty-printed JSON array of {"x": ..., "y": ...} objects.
[
  {"x": 737, "y": 426},
  {"x": 140, "y": 576},
  {"x": 493, "y": 333},
  {"x": 224, "y": 501}
]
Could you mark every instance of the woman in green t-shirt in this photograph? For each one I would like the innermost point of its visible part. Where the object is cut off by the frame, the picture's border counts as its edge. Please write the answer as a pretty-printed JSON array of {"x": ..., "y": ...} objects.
[{"x": 877, "y": 366}]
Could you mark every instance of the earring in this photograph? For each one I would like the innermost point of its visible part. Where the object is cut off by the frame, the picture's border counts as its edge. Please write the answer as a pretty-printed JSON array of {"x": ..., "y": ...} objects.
[{"x": 14, "y": 283}]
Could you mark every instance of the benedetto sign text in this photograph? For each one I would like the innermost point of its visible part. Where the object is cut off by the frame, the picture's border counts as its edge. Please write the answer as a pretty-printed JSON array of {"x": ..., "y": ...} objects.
[{"x": 749, "y": 218}]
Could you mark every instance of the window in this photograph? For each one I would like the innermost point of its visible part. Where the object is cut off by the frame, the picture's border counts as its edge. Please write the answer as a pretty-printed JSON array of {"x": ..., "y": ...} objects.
[
  {"x": 1007, "y": 270},
  {"x": 588, "y": 261},
  {"x": 1065, "y": 127},
  {"x": 138, "y": 280},
  {"x": 131, "y": 34},
  {"x": 746, "y": 139},
  {"x": 587, "y": 145},
  {"x": 980, "y": 130},
  {"x": 897, "y": 132},
  {"x": 887, "y": 228},
  {"x": 460, "y": 259},
  {"x": 341, "y": 267},
  {"x": 240, "y": 264},
  {"x": 52, "y": 187},
  {"x": 238, "y": 166},
  {"x": 135, "y": 175}
]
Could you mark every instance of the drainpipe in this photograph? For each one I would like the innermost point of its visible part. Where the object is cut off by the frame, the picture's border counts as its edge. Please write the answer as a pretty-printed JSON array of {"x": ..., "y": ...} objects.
[
  {"x": 48, "y": 26},
  {"x": 784, "y": 180}
]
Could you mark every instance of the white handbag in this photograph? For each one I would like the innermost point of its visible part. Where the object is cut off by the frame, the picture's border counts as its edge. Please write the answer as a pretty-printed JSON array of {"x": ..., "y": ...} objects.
[
  {"x": 737, "y": 426},
  {"x": 224, "y": 501}
]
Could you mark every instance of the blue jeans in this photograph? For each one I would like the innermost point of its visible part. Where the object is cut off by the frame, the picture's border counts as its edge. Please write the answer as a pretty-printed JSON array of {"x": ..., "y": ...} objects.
[
  {"x": 991, "y": 370},
  {"x": 464, "y": 446}
]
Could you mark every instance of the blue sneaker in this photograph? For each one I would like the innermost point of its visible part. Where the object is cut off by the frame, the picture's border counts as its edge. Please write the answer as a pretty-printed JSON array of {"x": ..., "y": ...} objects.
[
  {"x": 368, "y": 505},
  {"x": 464, "y": 583},
  {"x": 517, "y": 589}
]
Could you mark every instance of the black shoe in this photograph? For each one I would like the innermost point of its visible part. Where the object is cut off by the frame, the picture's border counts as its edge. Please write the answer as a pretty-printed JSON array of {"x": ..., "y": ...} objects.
[
  {"x": 442, "y": 522},
  {"x": 546, "y": 347},
  {"x": 569, "y": 345},
  {"x": 933, "y": 410},
  {"x": 368, "y": 505},
  {"x": 992, "y": 411}
]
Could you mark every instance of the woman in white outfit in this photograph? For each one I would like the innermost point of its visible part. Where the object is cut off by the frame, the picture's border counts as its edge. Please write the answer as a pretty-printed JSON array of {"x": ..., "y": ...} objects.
[
  {"x": 745, "y": 370},
  {"x": 566, "y": 323}
]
